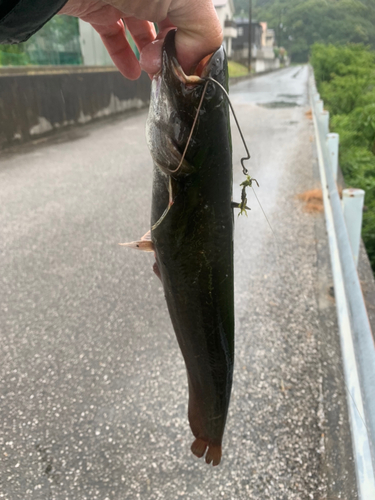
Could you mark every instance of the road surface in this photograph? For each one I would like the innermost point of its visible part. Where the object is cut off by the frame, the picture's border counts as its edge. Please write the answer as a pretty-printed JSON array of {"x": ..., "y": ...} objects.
[{"x": 93, "y": 391}]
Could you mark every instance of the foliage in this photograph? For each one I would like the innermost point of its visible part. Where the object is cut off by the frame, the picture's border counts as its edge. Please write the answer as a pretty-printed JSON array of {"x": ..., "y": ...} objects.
[
  {"x": 346, "y": 81},
  {"x": 56, "y": 43},
  {"x": 235, "y": 69},
  {"x": 329, "y": 60},
  {"x": 60, "y": 29},
  {"x": 13, "y": 55},
  {"x": 298, "y": 24},
  {"x": 280, "y": 53}
]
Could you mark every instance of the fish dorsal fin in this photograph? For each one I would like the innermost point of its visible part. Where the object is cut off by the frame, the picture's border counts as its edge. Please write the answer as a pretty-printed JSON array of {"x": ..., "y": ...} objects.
[{"x": 144, "y": 244}]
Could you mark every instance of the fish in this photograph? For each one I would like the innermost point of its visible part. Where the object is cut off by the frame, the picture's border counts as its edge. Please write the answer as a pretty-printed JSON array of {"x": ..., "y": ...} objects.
[{"x": 192, "y": 232}]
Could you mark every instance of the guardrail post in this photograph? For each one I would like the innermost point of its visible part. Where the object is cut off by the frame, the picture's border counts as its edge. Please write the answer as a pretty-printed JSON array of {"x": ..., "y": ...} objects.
[
  {"x": 333, "y": 149},
  {"x": 352, "y": 201},
  {"x": 319, "y": 106},
  {"x": 324, "y": 119}
]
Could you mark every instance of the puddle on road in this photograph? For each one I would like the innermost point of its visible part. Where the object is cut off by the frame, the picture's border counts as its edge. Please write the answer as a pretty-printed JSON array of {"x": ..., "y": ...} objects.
[
  {"x": 278, "y": 104},
  {"x": 290, "y": 96}
]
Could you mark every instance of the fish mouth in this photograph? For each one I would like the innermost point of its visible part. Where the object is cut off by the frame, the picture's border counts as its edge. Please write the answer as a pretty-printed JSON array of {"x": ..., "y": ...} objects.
[
  {"x": 208, "y": 67},
  {"x": 177, "y": 100}
]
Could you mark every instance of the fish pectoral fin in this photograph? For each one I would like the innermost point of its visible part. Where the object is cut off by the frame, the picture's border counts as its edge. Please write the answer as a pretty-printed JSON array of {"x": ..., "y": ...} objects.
[
  {"x": 156, "y": 270},
  {"x": 142, "y": 244},
  {"x": 234, "y": 204},
  {"x": 145, "y": 244},
  {"x": 147, "y": 236}
]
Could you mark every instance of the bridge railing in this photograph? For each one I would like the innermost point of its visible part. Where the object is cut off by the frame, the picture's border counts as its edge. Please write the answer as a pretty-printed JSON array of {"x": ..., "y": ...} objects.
[{"x": 357, "y": 341}]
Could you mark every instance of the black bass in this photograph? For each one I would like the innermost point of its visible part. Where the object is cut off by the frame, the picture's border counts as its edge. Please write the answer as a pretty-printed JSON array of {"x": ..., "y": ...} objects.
[{"x": 192, "y": 233}]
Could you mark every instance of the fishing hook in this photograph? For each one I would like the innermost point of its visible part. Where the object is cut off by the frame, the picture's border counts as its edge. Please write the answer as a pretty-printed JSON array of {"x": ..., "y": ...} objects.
[
  {"x": 249, "y": 180},
  {"x": 245, "y": 158}
]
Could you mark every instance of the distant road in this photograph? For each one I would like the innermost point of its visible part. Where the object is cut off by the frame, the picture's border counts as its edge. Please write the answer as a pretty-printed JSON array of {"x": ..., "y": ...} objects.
[{"x": 93, "y": 391}]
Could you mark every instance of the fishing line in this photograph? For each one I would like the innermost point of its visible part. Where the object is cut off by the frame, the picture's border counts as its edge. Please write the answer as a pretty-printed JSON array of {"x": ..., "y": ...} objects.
[
  {"x": 249, "y": 180},
  {"x": 245, "y": 158},
  {"x": 192, "y": 129}
]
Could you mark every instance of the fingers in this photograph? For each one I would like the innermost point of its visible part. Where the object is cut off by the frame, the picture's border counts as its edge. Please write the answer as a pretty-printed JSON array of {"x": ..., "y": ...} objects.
[
  {"x": 150, "y": 10},
  {"x": 199, "y": 31},
  {"x": 114, "y": 38},
  {"x": 198, "y": 34},
  {"x": 150, "y": 60},
  {"x": 165, "y": 26},
  {"x": 142, "y": 32}
]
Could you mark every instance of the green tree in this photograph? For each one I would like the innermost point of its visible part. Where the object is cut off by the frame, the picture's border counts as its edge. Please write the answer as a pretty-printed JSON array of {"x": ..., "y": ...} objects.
[
  {"x": 56, "y": 43},
  {"x": 299, "y": 24},
  {"x": 345, "y": 77},
  {"x": 13, "y": 55},
  {"x": 60, "y": 29}
]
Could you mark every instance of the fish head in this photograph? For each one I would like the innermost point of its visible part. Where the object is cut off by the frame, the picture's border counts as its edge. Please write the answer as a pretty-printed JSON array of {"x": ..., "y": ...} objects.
[{"x": 175, "y": 99}]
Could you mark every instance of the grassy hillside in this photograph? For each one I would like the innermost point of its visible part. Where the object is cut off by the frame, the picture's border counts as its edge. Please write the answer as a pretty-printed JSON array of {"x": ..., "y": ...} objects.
[{"x": 236, "y": 69}]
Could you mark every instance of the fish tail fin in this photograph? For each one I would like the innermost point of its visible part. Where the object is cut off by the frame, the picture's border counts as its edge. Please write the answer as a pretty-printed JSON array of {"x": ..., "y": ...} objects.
[
  {"x": 213, "y": 454},
  {"x": 198, "y": 448},
  {"x": 198, "y": 425}
]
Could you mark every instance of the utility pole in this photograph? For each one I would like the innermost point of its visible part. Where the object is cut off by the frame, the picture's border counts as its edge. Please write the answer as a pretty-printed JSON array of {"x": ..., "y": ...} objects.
[{"x": 250, "y": 30}]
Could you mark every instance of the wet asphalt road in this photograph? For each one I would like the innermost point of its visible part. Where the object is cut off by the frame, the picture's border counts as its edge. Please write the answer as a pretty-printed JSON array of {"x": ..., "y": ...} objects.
[{"x": 93, "y": 391}]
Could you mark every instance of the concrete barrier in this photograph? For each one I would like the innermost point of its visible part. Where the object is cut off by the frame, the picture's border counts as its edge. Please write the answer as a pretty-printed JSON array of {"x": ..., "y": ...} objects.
[{"x": 35, "y": 101}]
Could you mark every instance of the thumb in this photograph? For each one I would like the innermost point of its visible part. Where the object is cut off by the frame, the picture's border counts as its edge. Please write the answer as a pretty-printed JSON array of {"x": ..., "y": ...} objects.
[
  {"x": 199, "y": 31},
  {"x": 198, "y": 34}
]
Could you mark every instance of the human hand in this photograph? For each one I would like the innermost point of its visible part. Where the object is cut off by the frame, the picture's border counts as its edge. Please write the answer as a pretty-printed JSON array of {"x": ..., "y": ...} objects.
[{"x": 198, "y": 30}]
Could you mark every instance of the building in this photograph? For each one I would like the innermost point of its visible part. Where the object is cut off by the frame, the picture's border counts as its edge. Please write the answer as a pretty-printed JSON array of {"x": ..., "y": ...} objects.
[
  {"x": 262, "y": 45},
  {"x": 268, "y": 36},
  {"x": 266, "y": 57},
  {"x": 240, "y": 45},
  {"x": 93, "y": 51},
  {"x": 225, "y": 11}
]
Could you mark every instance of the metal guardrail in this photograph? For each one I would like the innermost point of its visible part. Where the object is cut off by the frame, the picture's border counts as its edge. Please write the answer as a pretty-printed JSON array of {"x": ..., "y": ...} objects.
[{"x": 357, "y": 342}]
